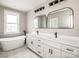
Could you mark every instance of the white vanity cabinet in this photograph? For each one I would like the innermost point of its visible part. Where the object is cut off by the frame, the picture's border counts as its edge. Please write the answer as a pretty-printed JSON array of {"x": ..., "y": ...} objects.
[
  {"x": 31, "y": 43},
  {"x": 55, "y": 53},
  {"x": 68, "y": 55},
  {"x": 52, "y": 48},
  {"x": 47, "y": 51},
  {"x": 39, "y": 46},
  {"x": 35, "y": 44},
  {"x": 69, "y": 51},
  {"x": 39, "y": 50},
  {"x": 50, "y": 52}
]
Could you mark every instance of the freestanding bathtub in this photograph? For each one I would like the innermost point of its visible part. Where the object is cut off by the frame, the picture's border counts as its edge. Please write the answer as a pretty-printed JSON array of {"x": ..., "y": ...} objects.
[{"x": 12, "y": 42}]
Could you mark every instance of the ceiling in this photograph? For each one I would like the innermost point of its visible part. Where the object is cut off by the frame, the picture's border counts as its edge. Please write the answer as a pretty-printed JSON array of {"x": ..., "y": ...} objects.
[{"x": 22, "y": 5}]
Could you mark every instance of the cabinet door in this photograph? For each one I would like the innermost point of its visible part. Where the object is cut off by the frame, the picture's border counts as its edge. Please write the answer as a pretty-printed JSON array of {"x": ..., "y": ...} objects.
[
  {"x": 30, "y": 43},
  {"x": 71, "y": 50},
  {"x": 67, "y": 55},
  {"x": 50, "y": 52},
  {"x": 47, "y": 51},
  {"x": 55, "y": 53}
]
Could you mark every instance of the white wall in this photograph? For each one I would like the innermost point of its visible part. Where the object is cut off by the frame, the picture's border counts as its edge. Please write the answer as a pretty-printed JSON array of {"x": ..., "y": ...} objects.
[
  {"x": 74, "y": 4},
  {"x": 1, "y": 20},
  {"x": 22, "y": 19}
]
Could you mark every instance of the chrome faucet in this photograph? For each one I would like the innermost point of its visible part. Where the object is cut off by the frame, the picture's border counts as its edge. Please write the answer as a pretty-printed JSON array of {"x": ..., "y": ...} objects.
[
  {"x": 55, "y": 34},
  {"x": 37, "y": 32}
]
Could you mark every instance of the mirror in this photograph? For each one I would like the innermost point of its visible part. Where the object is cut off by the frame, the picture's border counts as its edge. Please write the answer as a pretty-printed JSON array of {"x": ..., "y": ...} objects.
[
  {"x": 60, "y": 19},
  {"x": 40, "y": 21}
]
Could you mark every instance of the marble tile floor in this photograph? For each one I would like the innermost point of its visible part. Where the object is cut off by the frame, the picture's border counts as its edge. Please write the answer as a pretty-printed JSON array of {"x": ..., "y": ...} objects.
[{"x": 22, "y": 52}]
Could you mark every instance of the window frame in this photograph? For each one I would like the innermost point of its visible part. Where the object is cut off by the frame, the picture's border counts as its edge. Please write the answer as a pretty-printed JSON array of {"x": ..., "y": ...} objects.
[{"x": 6, "y": 12}]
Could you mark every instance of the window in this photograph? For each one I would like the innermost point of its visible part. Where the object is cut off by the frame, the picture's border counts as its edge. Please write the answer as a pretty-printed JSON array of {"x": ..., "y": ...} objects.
[{"x": 11, "y": 22}]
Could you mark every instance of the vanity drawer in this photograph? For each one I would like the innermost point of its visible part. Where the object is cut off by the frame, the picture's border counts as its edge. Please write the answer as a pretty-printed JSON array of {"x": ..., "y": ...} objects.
[
  {"x": 67, "y": 55},
  {"x": 39, "y": 46},
  {"x": 40, "y": 52},
  {"x": 71, "y": 50},
  {"x": 52, "y": 44}
]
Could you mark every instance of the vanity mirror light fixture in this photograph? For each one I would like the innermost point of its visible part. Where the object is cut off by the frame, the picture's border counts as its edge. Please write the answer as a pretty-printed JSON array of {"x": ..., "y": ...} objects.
[
  {"x": 59, "y": 19},
  {"x": 55, "y": 2},
  {"x": 39, "y": 9}
]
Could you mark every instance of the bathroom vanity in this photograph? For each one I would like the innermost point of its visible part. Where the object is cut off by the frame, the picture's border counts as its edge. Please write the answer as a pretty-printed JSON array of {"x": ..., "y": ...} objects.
[
  {"x": 47, "y": 46},
  {"x": 53, "y": 45}
]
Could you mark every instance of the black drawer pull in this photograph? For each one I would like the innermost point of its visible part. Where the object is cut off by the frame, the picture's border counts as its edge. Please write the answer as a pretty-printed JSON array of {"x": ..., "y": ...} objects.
[
  {"x": 39, "y": 52},
  {"x": 39, "y": 40},
  {"x": 69, "y": 50},
  {"x": 49, "y": 50},
  {"x": 31, "y": 42},
  {"x": 39, "y": 46}
]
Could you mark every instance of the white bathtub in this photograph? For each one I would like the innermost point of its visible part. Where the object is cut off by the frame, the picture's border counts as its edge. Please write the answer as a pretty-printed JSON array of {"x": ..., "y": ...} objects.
[{"x": 12, "y": 43}]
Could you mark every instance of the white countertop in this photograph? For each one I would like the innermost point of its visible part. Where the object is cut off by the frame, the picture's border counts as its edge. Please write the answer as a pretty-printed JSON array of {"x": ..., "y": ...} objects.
[{"x": 68, "y": 40}]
